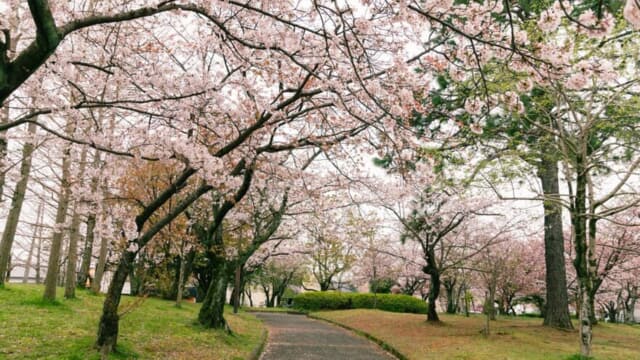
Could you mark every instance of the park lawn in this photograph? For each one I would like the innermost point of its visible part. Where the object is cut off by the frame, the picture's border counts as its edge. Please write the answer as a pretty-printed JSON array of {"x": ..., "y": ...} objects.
[
  {"x": 459, "y": 337},
  {"x": 154, "y": 329}
]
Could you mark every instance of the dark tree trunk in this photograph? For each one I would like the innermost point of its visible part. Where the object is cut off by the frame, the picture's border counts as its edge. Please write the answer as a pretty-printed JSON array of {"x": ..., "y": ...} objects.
[
  {"x": 556, "y": 311},
  {"x": 612, "y": 311},
  {"x": 434, "y": 292},
  {"x": 452, "y": 298},
  {"x": 211, "y": 313},
  {"x": 109, "y": 321},
  {"x": 72, "y": 255},
  {"x": 592, "y": 308},
  {"x": 237, "y": 289},
  {"x": 594, "y": 279},
  {"x": 89, "y": 237},
  {"x": 181, "y": 276},
  {"x": 83, "y": 275},
  {"x": 267, "y": 296},
  {"x": 581, "y": 260},
  {"x": 325, "y": 285},
  {"x": 101, "y": 266},
  {"x": 136, "y": 277}
]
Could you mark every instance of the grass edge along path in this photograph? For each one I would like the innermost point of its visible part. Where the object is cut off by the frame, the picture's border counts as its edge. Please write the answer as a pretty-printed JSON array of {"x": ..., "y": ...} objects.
[
  {"x": 459, "y": 337},
  {"x": 291, "y": 311},
  {"x": 155, "y": 329},
  {"x": 385, "y": 346},
  {"x": 259, "y": 349}
]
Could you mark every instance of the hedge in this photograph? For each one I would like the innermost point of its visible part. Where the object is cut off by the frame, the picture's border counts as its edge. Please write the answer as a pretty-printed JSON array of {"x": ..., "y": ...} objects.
[{"x": 333, "y": 300}]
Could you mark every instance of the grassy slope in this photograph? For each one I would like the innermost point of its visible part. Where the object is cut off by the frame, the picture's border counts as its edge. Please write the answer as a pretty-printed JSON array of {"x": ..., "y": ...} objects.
[
  {"x": 460, "y": 338},
  {"x": 31, "y": 329}
]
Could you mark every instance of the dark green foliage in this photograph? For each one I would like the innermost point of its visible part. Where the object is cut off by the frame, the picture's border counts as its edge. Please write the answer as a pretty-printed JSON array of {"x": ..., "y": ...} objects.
[
  {"x": 323, "y": 300},
  {"x": 381, "y": 286},
  {"x": 333, "y": 300}
]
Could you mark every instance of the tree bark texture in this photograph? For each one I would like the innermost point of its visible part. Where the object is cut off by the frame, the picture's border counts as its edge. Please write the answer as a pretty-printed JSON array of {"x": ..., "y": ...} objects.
[
  {"x": 37, "y": 233},
  {"x": 434, "y": 292},
  {"x": 74, "y": 237},
  {"x": 579, "y": 222},
  {"x": 13, "y": 218},
  {"x": 556, "y": 311},
  {"x": 212, "y": 311},
  {"x": 109, "y": 321},
  {"x": 87, "y": 252},
  {"x": 51, "y": 279}
]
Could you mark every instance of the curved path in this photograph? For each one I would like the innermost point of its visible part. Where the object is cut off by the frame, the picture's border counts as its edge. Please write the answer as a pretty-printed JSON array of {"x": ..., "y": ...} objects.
[{"x": 295, "y": 337}]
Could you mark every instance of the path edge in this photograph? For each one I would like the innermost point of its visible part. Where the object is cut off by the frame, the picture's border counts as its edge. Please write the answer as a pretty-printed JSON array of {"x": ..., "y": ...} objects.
[
  {"x": 290, "y": 312},
  {"x": 384, "y": 345},
  {"x": 257, "y": 351}
]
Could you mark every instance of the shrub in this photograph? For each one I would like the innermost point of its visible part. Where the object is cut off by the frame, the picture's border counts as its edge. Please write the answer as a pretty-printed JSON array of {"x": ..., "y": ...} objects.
[
  {"x": 333, "y": 300},
  {"x": 322, "y": 300},
  {"x": 381, "y": 286}
]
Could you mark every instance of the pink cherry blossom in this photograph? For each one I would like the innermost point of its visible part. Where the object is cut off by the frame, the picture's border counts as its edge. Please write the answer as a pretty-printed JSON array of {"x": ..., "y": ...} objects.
[{"x": 631, "y": 13}]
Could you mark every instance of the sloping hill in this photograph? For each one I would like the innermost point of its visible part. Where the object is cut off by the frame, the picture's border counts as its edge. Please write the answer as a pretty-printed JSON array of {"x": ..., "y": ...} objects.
[{"x": 154, "y": 329}]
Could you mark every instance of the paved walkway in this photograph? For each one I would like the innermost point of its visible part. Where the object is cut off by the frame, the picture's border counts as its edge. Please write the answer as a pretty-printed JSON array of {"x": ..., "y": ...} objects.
[{"x": 297, "y": 337}]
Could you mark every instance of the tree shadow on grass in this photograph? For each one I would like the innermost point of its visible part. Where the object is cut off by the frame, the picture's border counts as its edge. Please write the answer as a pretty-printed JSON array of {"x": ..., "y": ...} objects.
[{"x": 42, "y": 303}]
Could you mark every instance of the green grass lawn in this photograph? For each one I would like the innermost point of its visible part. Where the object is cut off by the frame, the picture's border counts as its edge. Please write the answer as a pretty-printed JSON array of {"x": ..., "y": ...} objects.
[
  {"x": 460, "y": 338},
  {"x": 156, "y": 329}
]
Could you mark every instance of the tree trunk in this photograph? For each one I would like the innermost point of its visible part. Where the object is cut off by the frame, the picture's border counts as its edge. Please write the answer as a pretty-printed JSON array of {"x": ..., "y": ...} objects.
[
  {"x": 37, "y": 233},
  {"x": 452, "y": 303},
  {"x": 7, "y": 271},
  {"x": 578, "y": 220},
  {"x": 72, "y": 255},
  {"x": 96, "y": 284},
  {"x": 325, "y": 285},
  {"x": 248, "y": 293},
  {"x": 593, "y": 319},
  {"x": 467, "y": 301},
  {"x": 585, "y": 325},
  {"x": 13, "y": 218},
  {"x": 556, "y": 311},
  {"x": 74, "y": 236},
  {"x": 237, "y": 288},
  {"x": 87, "y": 253},
  {"x": 434, "y": 292},
  {"x": 51, "y": 279},
  {"x": 39, "y": 258},
  {"x": 109, "y": 321},
  {"x": 592, "y": 269},
  {"x": 212, "y": 311},
  {"x": 630, "y": 306},
  {"x": 4, "y": 118},
  {"x": 489, "y": 303},
  {"x": 183, "y": 266},
  {"x": 27, "y": 264}
]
